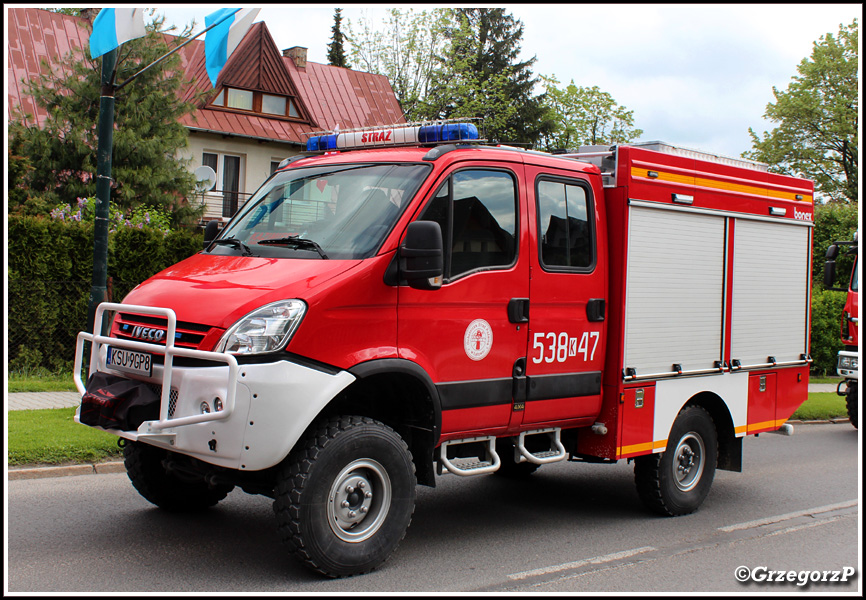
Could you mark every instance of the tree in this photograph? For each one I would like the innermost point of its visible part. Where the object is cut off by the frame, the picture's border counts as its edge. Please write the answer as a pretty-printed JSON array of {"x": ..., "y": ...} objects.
[
  {"x": 405, "y": 52},
  {"x": 585, "y": 116},
  {"x": 818, "y": 119},
  {"x": 55, "y": 163},
  {"x": 336, "y": 54},
  {"x": 479, "y": 75}
]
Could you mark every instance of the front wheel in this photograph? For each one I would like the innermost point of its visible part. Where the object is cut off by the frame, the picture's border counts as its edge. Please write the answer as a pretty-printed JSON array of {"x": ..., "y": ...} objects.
[
  {"x": 169, "y": 490},
  {"x": 851, "y": 402},
  {"x": 676, "y": 481},
  {"x": 345, "y": 496}
]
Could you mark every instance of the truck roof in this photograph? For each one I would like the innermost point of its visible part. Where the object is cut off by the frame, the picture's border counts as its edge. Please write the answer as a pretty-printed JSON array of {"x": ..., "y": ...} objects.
[{"x": 448, "y": 153}]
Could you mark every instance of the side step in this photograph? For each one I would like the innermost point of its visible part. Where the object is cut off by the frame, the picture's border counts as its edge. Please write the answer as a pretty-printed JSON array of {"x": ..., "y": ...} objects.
[
  {"x": 555, "y": 453},
  {"x": 490, "y": 464}
]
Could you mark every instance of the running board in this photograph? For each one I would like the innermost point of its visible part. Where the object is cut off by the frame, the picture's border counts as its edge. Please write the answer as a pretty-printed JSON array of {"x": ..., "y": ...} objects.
[
  {"x": 489, "y": 465},
  {"x": 555, "y": 453}
]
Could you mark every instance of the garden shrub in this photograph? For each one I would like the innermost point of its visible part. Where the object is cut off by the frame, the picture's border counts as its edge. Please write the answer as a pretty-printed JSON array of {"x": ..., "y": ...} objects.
[{"x": 50, "y": 279}]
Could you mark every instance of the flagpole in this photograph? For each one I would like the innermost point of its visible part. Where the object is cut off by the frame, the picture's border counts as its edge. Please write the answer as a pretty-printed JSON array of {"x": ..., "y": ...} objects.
[
  {"x": 105, "y": 141},
  {"x": 105, "y": 131},
  {"x": 105, "y": 134}
]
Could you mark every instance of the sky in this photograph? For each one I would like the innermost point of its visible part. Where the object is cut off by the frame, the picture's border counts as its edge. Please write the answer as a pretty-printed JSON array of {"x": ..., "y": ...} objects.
[{"x": 695, "y": 75}]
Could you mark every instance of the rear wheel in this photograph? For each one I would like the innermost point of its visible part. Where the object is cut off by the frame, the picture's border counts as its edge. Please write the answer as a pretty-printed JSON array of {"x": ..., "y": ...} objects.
[
  {"x": 851, "y": 402},
  {"x": 346, "y": 495},
  {"x": 676, "y": 481},
  {"x": 170, "y": 490}
]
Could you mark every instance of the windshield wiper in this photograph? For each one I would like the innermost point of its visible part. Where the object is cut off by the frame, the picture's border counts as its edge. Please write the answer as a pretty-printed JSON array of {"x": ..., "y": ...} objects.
[
  {"x": 297, "y": 242},
  {"x": 233, "y": 241}
]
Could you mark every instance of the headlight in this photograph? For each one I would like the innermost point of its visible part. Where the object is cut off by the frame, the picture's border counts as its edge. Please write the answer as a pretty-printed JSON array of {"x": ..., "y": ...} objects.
[
  {"x": 266, "y": 329},
  {"x": 848, "y": 362}
]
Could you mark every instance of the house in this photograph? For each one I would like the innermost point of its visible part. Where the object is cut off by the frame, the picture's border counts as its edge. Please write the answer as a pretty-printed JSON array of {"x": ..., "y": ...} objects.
[{"x": 264, "y": 107}]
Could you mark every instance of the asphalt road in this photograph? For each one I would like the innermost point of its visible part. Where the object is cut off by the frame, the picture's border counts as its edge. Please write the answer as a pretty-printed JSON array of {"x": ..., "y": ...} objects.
[{"x": 575, "y": 528}]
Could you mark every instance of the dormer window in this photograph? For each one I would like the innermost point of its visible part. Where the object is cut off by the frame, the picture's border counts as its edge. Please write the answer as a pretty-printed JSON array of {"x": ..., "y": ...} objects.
[
  {"x": 258, "y": 102},
  {"x": 242, "y": 99},
  {"x": 274, "y": 105}
]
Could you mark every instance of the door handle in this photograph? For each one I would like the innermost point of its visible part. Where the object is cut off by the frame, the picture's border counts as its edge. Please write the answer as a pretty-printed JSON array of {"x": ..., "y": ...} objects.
[
  {"x": 518, "y": 310},
  {"x": 595, "y": 310}
]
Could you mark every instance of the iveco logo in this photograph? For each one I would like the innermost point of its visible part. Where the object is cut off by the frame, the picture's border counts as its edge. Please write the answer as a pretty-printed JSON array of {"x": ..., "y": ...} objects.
[{"x": 148, "y": 333}]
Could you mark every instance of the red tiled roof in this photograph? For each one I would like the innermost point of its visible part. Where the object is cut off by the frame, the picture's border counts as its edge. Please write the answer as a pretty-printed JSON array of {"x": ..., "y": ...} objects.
[
  {"x": 327, "y": 96},
  {"x": 35, "y": 35}
]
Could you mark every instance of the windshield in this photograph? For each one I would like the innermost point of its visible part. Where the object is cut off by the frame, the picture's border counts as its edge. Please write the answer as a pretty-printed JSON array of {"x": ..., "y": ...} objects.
[
  {"x": 854, "y": 286},
  {"x": 329, "y": 212}
]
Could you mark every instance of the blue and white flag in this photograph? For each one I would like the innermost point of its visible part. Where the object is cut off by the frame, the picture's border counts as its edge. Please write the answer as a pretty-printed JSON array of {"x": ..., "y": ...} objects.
[
  {"x": 221, "y": 41},
  {"x": 114, "y": 26}
]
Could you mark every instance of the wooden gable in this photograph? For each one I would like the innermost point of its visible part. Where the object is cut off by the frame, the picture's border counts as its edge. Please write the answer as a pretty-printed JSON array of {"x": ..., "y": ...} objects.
[{"x": 257, "y": 65}]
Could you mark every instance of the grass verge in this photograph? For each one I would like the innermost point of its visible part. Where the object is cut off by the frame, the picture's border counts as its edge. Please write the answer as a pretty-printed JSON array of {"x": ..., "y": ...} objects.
[
  {"x": 41, "y": 382},
  {"x": 51, "y": 437},
  {"x": 822, "y": 405}
]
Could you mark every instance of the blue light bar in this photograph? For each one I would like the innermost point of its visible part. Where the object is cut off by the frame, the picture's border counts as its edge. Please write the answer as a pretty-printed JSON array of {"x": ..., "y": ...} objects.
[
  {"x": 322, "y": 143},
  {"x": 393, "y": 136},
  {"x": 450, "y": 132}
]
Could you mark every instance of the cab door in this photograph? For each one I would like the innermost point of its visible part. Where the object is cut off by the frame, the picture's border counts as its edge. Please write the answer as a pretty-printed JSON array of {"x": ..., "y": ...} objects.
[
  {"x": 461, "y": 334},
  {"x": 567, "y": 307}
]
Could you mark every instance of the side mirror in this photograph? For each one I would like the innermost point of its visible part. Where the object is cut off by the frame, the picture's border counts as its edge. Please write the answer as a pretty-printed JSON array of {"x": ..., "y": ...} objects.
[
  {"x": 832, "y": 252},
  {"x": 829, "y": 273},
  {"x": 421, "y": 256},
  {"x": 210, "y": 232}
]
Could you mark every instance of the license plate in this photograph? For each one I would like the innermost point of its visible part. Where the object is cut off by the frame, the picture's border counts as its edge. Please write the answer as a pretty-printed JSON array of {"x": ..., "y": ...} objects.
[{"x": 129, "y": 361}]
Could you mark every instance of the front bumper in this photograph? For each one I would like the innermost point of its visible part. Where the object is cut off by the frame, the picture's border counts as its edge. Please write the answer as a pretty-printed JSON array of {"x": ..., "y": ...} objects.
[{"x": 265, "y": 407}]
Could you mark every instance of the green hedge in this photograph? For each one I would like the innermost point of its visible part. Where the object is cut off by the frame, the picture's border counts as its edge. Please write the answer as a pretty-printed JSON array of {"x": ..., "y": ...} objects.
[{"x": 50, "y": 276}]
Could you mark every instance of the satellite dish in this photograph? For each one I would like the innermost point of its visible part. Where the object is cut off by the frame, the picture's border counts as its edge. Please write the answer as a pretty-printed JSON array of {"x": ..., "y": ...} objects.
[{"x": 205, "y": 178}]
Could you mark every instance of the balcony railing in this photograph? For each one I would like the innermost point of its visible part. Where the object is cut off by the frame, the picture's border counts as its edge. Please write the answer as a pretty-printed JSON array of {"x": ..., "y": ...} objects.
[{"x": 222, "y": 205}]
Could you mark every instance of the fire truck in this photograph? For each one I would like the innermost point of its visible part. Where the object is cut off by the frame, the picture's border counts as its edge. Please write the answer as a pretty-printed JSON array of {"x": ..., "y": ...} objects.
[
  {"x": 847, "y": 365},
  {"x": 408, "y": 303}
]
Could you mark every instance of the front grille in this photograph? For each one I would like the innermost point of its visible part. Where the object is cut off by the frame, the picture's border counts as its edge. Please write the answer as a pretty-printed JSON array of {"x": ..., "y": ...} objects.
[
  {"x": 172, "y": 397},
  {"x": 129, "y": 326}
]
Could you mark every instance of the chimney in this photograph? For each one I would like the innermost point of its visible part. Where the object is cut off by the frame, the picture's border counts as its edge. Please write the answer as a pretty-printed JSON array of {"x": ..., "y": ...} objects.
[
  {"x": 298, "y": 54},
  {"x": 89, "y": 13}
]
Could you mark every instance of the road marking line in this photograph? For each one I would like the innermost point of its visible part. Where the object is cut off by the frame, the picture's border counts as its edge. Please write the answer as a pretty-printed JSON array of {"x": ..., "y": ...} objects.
[
  {"x": 794, "y": 528},
  {"x": 788, "y": 516},
  {"x": 580, "y": 563}
]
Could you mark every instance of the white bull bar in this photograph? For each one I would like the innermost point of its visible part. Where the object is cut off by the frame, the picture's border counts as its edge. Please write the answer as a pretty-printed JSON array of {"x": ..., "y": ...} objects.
[{"x": 97, "y": 363}]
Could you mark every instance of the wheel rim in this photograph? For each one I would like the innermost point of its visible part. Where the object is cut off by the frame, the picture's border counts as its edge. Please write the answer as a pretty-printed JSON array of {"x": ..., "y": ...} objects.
[
  {"x": 359, "y": 500},
  {"x": 688, "y": 461}
]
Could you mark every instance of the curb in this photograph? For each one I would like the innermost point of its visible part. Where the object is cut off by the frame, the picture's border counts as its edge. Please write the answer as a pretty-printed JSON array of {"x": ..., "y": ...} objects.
[
  {"x": 118, "y": 467},
  {"x": 66, "y": 470}
]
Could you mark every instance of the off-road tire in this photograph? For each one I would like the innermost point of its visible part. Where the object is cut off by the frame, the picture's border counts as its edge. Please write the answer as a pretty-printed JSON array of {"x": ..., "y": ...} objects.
[
  {"x": 851, "y": 403},
  {"x": 170, "y": 491},
  {"x": 337, "y": 459},
  {"x": 692, "y": 445}
]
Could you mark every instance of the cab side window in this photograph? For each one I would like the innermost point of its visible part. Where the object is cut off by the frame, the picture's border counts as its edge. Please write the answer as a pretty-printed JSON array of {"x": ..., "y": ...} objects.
[
  {"x": 565, "y": 226},
  {"x": 477, "y": 211}
]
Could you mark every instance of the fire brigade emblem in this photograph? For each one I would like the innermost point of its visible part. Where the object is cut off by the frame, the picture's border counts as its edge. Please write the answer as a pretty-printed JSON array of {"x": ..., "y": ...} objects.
[{"x": 478, "y": 339}]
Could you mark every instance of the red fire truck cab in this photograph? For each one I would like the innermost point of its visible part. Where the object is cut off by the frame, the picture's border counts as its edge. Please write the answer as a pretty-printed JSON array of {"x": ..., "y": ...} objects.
[
  {"x": 848, "y": 357},
  {"x": 407, "y": 303}
]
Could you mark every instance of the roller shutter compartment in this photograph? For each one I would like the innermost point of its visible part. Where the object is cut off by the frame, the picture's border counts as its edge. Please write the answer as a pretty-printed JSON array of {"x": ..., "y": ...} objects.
[{"x": 675, "y": 279}]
